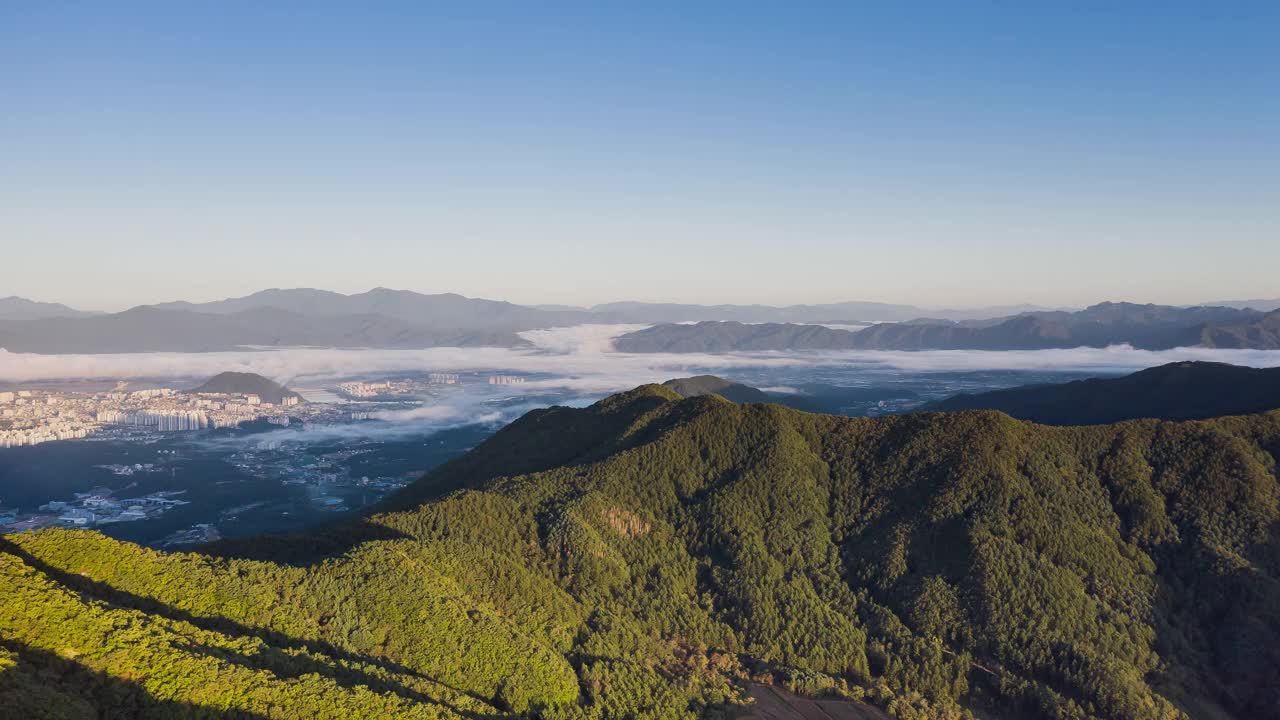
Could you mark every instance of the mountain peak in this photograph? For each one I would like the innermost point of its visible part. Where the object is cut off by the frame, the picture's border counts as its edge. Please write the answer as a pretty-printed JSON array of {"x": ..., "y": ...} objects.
[
  {"x": 700, "y": 385},
  {"x": 246, "y": 383}
]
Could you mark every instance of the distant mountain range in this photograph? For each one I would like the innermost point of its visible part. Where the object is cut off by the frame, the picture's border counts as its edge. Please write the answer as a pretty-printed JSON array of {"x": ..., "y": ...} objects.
[
  {"x": 242, "y": 383},
  {"x": 712, "y": 336},
  {"x": 379, "y": 318},
  {"x": 832, "y": 313},
  {"x": 384, "y": 318},
  {"x": 16, "y": 308},
  {"x": 149, "y": 329},
  {"x": 1177, "y": 391},
  {"x": 1256, "y": 304},
  {"x": 445, "y": 310},
  {"x": 1152, "y": 327},
  {"x": 460, "y": 311},
  {"x": 842, "y": 313}
]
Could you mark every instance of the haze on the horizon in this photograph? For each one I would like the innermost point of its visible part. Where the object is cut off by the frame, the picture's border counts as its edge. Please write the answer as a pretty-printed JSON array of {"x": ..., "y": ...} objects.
[{"x": 944, "y": 157}]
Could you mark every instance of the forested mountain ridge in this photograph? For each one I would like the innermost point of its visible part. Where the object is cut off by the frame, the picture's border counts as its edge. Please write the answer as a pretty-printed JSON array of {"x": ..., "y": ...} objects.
[
  {"x": 645, "y": 556},
  {"x": 1176, "y": 391}
]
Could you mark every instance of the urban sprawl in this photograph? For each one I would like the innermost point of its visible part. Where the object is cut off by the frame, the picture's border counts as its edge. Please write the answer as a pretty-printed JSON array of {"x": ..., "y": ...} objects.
[{"x": 31, "y": 417}]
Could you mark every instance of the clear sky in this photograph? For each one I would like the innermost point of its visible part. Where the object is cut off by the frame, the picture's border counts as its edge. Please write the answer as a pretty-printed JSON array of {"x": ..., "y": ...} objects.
[{"x": 944, "y": 154}]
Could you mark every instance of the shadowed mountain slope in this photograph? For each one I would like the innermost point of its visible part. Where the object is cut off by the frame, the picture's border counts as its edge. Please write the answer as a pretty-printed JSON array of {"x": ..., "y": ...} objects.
[{"x": 1177, "y": 391}]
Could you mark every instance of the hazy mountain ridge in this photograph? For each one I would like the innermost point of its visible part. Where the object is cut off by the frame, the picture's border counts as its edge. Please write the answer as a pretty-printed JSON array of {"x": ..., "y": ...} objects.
[
  {"x": 383, "y": 318},
  {"x": 1149, "y": 327},
  {"x": 1262, "y": 304},
  {"x": 1262, "y": 334},
  {"x": 853, "y": 312},
  {"x": 149, "y": 329},
  {"x": 16, "y": 308},
  {"x": 716, "y": 336},
  {"x": 444, "y": 310},
  {"x": 646, "y": 555}
]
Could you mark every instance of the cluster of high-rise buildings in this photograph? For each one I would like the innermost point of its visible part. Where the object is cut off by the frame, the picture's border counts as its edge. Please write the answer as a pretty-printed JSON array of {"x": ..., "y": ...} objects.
[
  {"x": 443, "y": 378},
  {"x": 363, "y": 389},
  {"x": 31, "y": 417},
  {"x": 162, "y": 420},
  {"x": 404, "y": 386},
  {"x": 505, "y": 380}
]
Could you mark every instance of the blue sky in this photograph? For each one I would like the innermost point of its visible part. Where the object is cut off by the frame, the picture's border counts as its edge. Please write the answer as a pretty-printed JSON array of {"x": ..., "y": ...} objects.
[{"x": 945, "y": 154}]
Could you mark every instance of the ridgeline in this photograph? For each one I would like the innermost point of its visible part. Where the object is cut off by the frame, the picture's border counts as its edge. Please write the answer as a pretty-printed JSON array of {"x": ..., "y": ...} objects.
[
  {"x": 1176, "y": 391},
  {"x": 1148, "y": 327}
]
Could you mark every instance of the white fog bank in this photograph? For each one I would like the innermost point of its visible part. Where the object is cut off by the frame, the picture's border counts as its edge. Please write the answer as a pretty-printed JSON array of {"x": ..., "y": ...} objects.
[{"x": 581, "y": 358}]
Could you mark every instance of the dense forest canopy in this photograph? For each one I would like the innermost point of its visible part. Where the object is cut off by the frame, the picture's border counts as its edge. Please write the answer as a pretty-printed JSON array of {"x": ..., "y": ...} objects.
[{"x": 649, "y": 556}]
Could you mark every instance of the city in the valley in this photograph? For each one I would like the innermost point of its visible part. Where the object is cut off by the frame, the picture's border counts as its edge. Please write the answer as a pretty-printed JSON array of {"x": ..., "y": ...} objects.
[
  {"x": 170, "y": 466},
  {"x": 31, "y": 417}
]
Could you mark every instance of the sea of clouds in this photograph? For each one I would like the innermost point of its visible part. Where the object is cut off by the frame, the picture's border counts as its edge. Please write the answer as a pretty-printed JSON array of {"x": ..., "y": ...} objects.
[
  {"x": 568, "y": 366},
  {"x": 581, "y": 359}
]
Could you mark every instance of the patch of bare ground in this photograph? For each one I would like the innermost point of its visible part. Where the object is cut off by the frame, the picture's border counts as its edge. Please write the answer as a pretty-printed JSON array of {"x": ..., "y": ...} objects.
[
  {"x": 626, "y": 523},
  {"x": 775, "y": 703}
]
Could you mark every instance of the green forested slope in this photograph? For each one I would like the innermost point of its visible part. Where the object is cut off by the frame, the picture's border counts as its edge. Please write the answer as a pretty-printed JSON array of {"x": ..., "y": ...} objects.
[
  {"x": 1176, "y": 391},
  {"x": 646, "y": 556}
]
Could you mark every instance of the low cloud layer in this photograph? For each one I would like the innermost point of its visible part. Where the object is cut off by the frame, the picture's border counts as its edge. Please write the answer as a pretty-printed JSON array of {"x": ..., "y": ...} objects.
[
  {"x": 572, "y": 366},
  {"x": 384, "y": 426},
  {"x": 580, "y": 359}
]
